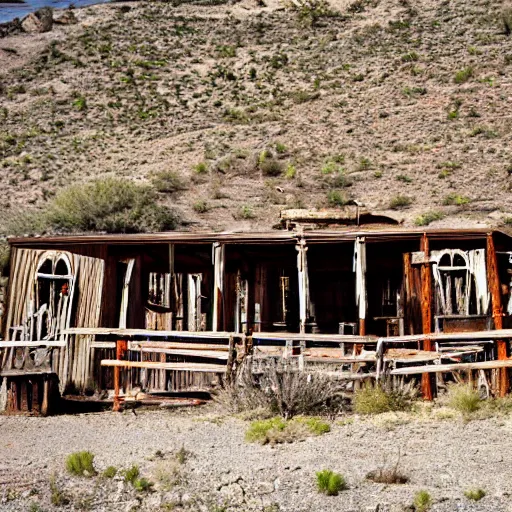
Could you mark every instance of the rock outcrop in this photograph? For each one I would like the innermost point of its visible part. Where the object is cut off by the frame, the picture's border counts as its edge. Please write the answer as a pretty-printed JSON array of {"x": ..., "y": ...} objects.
[{"x": 39, "y": 21}]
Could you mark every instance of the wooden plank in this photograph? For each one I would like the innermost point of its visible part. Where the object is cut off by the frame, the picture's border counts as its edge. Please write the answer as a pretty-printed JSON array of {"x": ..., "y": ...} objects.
[
  {"x": 40, "y": 343},
  {"x": 156, "y": 365},
  {"x": 18, "y": 373},
  {"x": 103, "y": 344},
  {"x": 441, "y": 368},
  {"x": 135, "y": 345},
  {"x": 149, "y": 333},
  {"x": 452, "y": 336},
  {"x": 191, "y": 353},
  {"x": 324, "y": 338}
]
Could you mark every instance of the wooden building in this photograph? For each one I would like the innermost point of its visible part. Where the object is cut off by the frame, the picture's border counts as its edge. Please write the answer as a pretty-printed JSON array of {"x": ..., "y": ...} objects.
[{"x": 176, "y": 311}]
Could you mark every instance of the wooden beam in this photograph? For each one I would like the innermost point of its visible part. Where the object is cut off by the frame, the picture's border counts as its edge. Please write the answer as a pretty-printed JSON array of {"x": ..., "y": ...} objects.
[
  {"x": 147, "y": 333},
  {"x": 219, "y": 251},
  {"x": 156, "y": 365},
  {"x": 136, "y": 345},
  {"x": 360, "y": 269},
  {"x": 321, "y": 338},
  {"x": 209, "y": 354},
  {"x": 40, "y": 343},
  {"x": 441, "y": 368},
  {"x": 493, "y": 279},
  {"x": 121, "y": 346},
  {"x": 426, "y": 312}
]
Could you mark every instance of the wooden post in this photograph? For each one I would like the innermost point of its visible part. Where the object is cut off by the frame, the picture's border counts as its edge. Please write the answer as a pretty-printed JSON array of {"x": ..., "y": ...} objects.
[
  {"x": 497, "y": 308},
  {"x": 121, "y": 348},
  {"x": 360, "y": 270},
  {"x": 219, "y": 252},
  {"x": 302, "y": 268},
  {"x": 426, "y": 312}
]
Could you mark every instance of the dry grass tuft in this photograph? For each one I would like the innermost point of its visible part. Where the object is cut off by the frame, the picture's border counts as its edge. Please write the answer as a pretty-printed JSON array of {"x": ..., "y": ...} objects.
[
  {"x": 374, "y": 400},
  {"x": 464, "y": 398}
]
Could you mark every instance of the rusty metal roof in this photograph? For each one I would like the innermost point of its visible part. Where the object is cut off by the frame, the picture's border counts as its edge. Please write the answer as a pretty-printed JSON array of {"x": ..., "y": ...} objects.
[{"x": 375, "y": 234}]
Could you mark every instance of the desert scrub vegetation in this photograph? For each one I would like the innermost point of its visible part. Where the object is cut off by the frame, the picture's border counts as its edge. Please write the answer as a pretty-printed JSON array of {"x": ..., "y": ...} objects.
[
  {"x": 168, "y": 182},
  {"x": 456, "y": 200},
  {"x": 310, "y": 11},
  {"x": 475, "y": 494},
  {"x": 506, "y": 19},
  {"x": 463, "y": 75},
  {"x": 110, "y": 205},
  {"x": 464, "y": 398},
  {"x": 281, "y": 391},
  {"x": 422, "y": 501},
  {"x": 428, "y": 217},
  {"x": 81, "y": 464},
  {"x": 400, "y": 201},
  {"x": 374, "y": 400},
  {"x": 110, "y": 472},
  {"x": 278, "y": 430},
  {"x": 387, "y": 475},
  {"x": 330, "y": 483}
]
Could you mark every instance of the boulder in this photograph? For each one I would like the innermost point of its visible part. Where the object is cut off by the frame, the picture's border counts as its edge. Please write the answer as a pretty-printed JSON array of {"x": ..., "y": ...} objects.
[
  {"x": 67, "y": 18},
  {"x": 39, "y": 21}
]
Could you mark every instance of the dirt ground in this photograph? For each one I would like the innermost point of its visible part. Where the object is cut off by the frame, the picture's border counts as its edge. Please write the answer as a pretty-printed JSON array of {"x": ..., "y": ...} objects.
[{"x": 439, "y": 452}]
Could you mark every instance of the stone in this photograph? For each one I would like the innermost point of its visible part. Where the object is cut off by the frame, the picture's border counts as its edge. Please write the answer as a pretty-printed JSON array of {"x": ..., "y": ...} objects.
[
  {"x": 67, "y": 18},
  {"x": 39, "y": 21}
]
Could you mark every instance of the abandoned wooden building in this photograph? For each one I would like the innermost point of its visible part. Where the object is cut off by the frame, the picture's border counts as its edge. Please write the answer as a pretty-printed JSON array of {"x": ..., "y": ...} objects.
[{"x": 173, "y": 312}]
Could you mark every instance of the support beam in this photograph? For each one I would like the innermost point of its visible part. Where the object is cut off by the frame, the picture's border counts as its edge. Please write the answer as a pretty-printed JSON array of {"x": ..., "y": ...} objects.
[
  {"x": 219, "y": 252},
  {"x": 426, "y": 312},
  {"x": 302, "y": 268},
  {"x": 493, "y": 279},
  {"x": 360, "y": 271},
  {"x": 121, "y": 347}
]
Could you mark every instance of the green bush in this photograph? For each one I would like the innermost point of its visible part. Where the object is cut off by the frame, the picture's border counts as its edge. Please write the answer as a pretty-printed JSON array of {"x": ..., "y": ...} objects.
[
  {"x": 463, "y": 398},
  {"x": 463, "y": 75},
  {"x": 426, "y": 218},
  {"x": 330, "y": 483},
  {"x": 131, "y": 474},
  {"x": 374, "y": 400},
  {"x": 474, "y": 494},
  {"x": 200, "y": 206},
  {"x": 400, "y": 201},
  {"x": 80, "y": 464},
  {"x": 168, "y": 181},
  {"x": 110, "y": 472},
  {"x": 112, "y": 205},
  {"x": 278, "y": 430},
  {"x": 456, "y": 200},
  {"x": 142, "y": 484},
  {"x": 422, "y": 501},
  {"x": 336, "y": 198}
]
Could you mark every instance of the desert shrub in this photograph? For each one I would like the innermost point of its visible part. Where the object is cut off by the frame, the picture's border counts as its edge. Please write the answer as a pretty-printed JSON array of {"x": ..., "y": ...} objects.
[
  {"x": 201, "y": 168},
  {"x": 336, "y": 198},
  {"x": 463, "y": 75},
  {"x": 290, "y": 172},
  {"x": 168, "y": 181},
  {"x": 142, "y": 484},
  {"x": 426, "y": 218},
  {"x": 388, "y": 475},
  {"x": 200, "y": 206},
  {"x": 182, "y": 455},
  {"x": 278, "y": 430},
  {"x": 271, "y": 167},
  {"x": 463, "y": 398},
  {"x": 281, "y": 391},
  {"x": 57, "y": 496},
  {"x": 456, "y": 200},
  {"x": 80, "y": 464},
  {"x": 112, "y": 205},
  {"x": 474, "y": 494},
  {"x": 131, "y": 474},
  {"x": 309, "y": 11},
  {"x": 330, "y": 483},
  {"x": 422, "y": 501},
  {"x": 506, "y": 19},
  {"x": 110, "y": 472},
  {"x": 400, "y": 201},
  {"x": 374, "y": 400}
]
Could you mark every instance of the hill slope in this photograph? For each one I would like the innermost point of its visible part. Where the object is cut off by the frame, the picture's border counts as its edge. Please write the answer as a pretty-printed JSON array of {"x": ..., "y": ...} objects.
[{"x": 237, "y": 111}]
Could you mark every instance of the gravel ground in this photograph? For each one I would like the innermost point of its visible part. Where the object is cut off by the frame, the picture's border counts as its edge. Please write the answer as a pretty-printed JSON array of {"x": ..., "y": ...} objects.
[{"x": 224, "y": 473}]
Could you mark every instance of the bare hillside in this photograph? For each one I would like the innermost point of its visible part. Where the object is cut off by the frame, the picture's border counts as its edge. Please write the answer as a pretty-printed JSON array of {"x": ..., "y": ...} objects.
[{"x": 233, "y": 112}]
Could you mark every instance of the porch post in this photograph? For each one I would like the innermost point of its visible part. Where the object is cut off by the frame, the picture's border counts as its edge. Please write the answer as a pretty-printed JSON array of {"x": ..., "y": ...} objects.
[
  {"x": 218, "y": 286},
  {"x": 360, "y": 270},
  {"x": 302, "y": 268},
  {"x": 426, "y": 312},
  {"x": 497, "y": 309}
]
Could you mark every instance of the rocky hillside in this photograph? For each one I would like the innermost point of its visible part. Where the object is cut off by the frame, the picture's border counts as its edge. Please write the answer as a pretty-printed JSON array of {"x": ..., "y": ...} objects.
[{"x": 234, "y": 112}]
